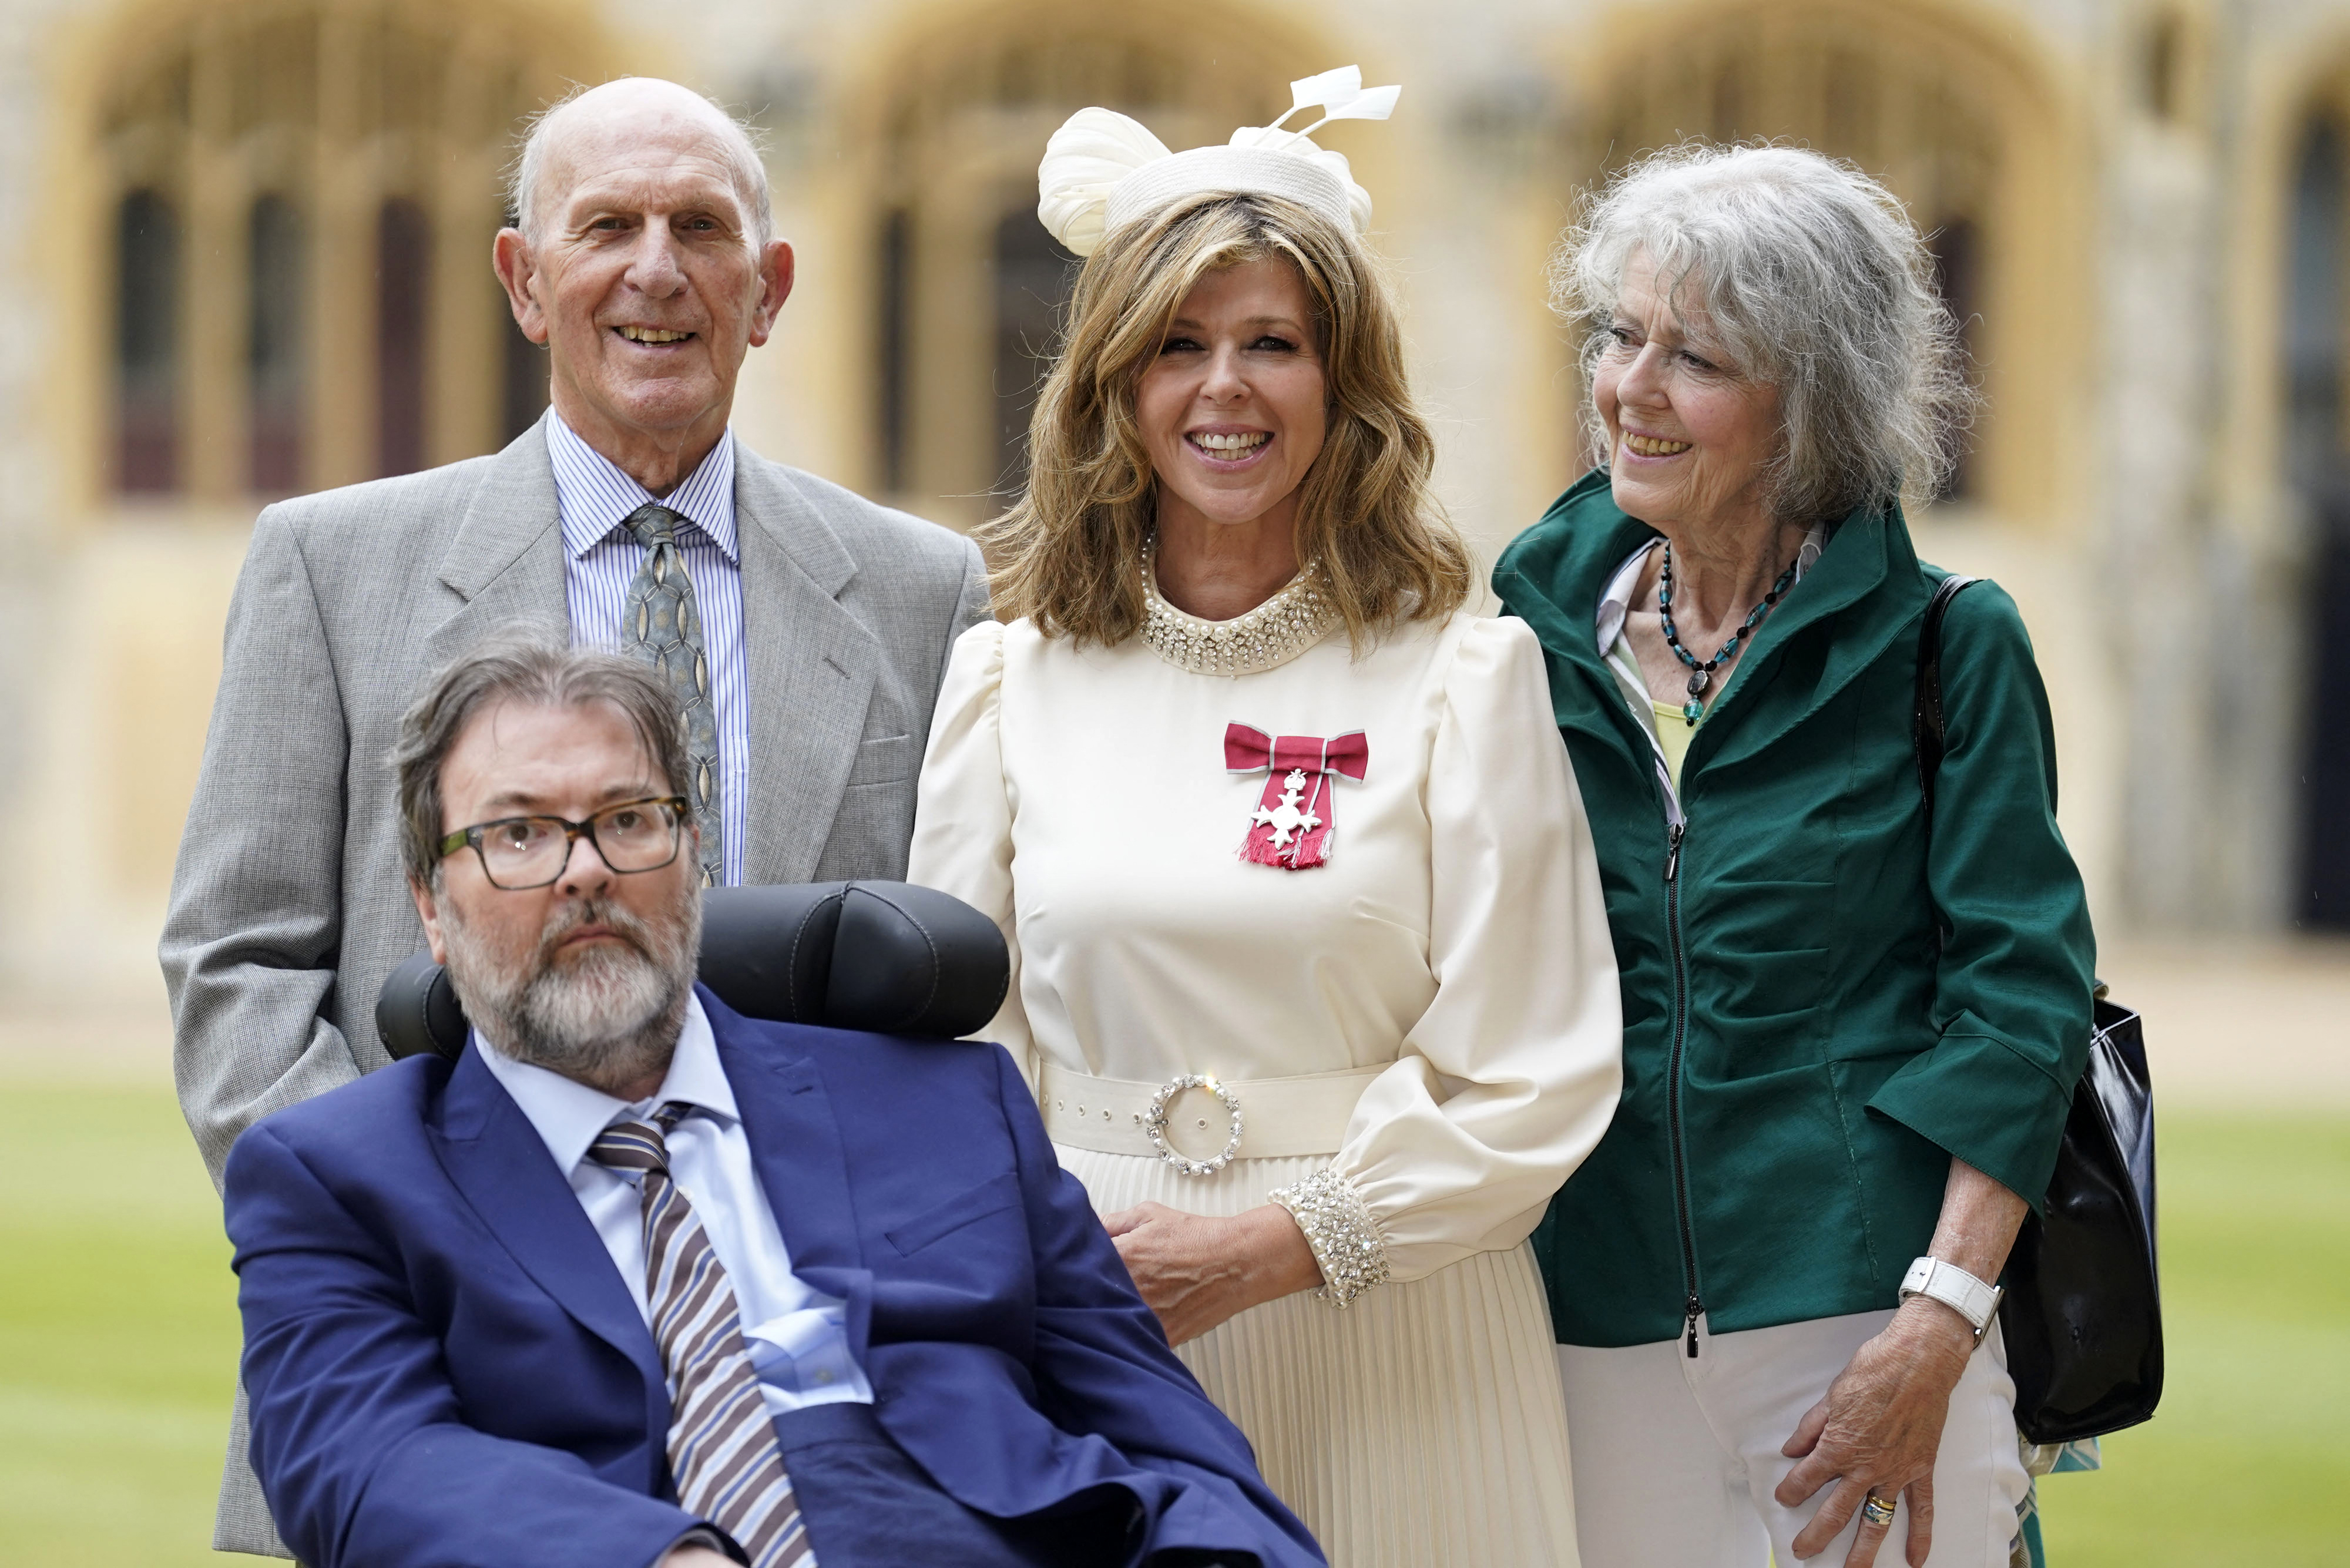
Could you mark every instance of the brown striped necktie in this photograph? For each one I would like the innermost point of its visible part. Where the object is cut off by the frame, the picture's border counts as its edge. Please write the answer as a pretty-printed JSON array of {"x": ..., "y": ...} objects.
[{"x": 722, "y": 1452}]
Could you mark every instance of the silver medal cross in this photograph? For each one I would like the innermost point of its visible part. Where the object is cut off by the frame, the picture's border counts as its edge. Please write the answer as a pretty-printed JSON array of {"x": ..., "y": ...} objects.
[{"x": 1286, "y": 819}]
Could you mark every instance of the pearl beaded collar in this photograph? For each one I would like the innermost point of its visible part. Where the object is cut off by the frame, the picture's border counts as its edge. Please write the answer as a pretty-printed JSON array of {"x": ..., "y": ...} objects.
[{"x": 1266, "y": 637}]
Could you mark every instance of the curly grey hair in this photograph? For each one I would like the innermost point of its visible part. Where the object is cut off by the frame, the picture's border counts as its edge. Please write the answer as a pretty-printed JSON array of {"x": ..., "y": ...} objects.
[
  {"x": 1814, "y": 280},
  {"x": 526, "y": 200}
]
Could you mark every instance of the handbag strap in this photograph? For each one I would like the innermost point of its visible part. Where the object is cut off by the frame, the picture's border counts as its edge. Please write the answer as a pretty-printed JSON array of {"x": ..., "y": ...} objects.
[{"x": 1928, "y": 731}]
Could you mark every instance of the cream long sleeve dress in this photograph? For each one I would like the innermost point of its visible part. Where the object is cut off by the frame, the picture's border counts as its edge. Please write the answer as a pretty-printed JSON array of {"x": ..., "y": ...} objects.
[{"x": 1450, "y": 961}]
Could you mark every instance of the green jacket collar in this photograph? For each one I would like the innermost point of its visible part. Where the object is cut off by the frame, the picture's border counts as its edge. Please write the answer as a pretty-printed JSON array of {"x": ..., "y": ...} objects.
[
  {"x": 1551, "y": 577},
  {"x": 1833, "y": 626}
]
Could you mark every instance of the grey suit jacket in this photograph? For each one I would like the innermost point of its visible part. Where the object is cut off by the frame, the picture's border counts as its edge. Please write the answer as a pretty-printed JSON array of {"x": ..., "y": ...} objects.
[{"x": 290, "y": 906}]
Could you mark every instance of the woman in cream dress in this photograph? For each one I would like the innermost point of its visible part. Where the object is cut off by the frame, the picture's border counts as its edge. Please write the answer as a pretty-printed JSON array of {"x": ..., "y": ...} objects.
[{"x": 1311, "y": 971}]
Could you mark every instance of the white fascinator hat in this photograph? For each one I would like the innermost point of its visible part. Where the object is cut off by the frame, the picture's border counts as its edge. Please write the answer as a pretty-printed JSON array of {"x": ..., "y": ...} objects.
[{"x": 1103, "y": 168}]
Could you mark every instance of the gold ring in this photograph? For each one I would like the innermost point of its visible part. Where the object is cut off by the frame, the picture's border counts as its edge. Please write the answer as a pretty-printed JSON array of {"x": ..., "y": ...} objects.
[{"x": 1877, "y": 1510}]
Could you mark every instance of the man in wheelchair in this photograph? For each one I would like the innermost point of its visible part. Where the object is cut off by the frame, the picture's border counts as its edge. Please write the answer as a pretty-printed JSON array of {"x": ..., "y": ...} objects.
[{"x": 637, "y": 1279}]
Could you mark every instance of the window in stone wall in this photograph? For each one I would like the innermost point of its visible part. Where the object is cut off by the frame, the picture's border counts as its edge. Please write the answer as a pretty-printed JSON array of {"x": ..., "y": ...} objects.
[
  {"x": 893, "y": 408},
  {"x": 2317, "y": 461},
  {"x": 1852, "y": 85},
  {"x": 2315, "y": 318},
  {"x": 1034, "y": 277},
  {"x": 2163, "y": 67},
  {"x": 146, "y": 343},
  {"x": 525, "y": 391},
  {"x": 404, "y": 283},
  {"x": 1957, "y": 277},
  {"x": 277, "y": 377},
  {"x": 303, "y": 198}
]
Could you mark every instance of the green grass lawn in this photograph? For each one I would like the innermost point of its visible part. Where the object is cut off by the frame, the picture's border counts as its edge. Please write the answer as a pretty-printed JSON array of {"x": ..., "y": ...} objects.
[
  {"x": 118, "y": 1334},
  {"x": 2249, "y": 1460},
  {"x": 117, "y": 1340}
]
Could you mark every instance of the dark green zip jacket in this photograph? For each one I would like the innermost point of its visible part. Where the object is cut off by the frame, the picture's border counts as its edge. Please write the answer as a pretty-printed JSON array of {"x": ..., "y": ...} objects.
[{"x": 1802, "y": 1057}]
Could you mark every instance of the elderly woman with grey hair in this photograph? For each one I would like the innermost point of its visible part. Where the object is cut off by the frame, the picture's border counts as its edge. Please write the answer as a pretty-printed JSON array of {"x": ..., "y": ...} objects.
[{"x": 1850, "y": 1034}]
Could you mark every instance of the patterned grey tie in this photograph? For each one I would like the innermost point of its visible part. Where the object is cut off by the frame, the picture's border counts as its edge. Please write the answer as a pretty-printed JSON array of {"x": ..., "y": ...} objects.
[
  {"x": 662, "y": 625},
  {"x": 722, "y": 1452}
]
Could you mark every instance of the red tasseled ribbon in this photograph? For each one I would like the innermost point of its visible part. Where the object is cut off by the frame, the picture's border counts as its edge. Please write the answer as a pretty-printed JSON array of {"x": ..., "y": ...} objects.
[{"x": 1299, "y": 839}]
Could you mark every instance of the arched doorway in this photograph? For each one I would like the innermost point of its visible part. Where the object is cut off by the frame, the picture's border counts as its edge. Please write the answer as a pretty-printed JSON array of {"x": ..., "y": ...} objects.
[
  {"x": 967, "y": 285},
  {"x": 299, "y": 201},
  {"x": 1952, "y": 126}
]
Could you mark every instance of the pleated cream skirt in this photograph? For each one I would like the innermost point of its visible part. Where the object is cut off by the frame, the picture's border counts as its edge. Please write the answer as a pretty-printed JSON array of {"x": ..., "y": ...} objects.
[{"x": 1420, "y": 1427}]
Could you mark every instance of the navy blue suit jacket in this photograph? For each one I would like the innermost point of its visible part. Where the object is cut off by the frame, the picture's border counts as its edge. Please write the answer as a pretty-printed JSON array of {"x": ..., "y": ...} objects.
[{"x": 445, "y": 1368}]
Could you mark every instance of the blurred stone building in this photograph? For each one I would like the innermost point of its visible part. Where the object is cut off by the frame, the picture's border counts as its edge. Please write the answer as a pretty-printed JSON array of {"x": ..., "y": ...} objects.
[{"x": 251, "y": 238}]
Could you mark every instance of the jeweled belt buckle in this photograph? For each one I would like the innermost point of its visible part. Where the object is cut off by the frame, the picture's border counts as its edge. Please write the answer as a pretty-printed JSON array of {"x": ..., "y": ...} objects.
[{"x": 1154, "y": 1125}]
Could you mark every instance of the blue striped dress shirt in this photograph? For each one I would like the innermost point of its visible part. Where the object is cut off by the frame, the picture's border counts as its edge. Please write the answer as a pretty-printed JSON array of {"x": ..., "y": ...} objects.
[{"x": 602, "y": 557}]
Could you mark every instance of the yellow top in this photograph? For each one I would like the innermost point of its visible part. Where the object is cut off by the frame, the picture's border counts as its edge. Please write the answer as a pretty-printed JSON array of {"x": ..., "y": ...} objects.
[
  {"x": 1673, "y": 734},
  {"x": 1672, "y": 731}
]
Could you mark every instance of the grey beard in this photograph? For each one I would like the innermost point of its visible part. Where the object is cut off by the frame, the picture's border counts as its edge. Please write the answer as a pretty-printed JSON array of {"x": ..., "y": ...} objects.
[{"x": 607, "y": 1019}]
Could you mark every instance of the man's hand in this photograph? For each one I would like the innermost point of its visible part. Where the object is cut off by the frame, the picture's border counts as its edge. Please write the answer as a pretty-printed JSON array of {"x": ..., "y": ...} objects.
[
  {"x": 695, "y": 1557},
  {"x": 1195, "y": 1272},
  {"x": 1878, "y": 1430}
]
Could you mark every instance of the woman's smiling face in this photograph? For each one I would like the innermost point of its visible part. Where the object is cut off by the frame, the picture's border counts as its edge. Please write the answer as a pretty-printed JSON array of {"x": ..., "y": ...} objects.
[
  {"x": 1688, "y": 436},
  {"x": 1234, "y": 407}
]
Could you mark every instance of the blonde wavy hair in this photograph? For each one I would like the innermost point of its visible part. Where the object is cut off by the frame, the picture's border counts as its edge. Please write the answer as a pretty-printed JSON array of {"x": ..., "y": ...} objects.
[{"x": 1068, "y": 554}]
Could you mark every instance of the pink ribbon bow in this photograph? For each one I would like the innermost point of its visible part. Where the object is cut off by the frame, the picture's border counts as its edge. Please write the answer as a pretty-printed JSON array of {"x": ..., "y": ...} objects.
[{"x": 1294, "y": 821}]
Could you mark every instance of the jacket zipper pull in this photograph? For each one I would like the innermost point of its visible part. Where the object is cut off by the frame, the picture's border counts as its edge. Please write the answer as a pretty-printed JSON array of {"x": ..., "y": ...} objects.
[
  {"x": 1673, "y": 850},
  {"x": 1695, "y": 1310}
]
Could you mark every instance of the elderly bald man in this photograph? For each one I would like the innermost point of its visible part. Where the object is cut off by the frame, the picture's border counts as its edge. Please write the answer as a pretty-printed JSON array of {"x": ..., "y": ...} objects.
[{"x": 804, "y": 629}]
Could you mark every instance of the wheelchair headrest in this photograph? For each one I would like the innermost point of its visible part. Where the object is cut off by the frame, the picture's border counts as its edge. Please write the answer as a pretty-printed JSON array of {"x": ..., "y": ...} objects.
[{"x": 885, "y": 957}]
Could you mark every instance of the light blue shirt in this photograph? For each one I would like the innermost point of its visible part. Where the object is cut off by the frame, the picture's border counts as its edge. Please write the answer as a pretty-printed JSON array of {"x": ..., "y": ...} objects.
[
  {"x": 797, "y": 1336},
  {"x": 602, "y": 557}
]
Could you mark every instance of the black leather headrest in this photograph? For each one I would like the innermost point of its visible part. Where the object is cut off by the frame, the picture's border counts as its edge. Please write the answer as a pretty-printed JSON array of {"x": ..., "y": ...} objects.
[{"x": 885, "y": 957}]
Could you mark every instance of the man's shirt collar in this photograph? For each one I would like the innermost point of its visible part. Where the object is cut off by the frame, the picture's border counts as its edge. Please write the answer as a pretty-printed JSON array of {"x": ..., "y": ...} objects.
[
  {"x": 570, "y": 1116},
  {"x": 594, "y": 496}
]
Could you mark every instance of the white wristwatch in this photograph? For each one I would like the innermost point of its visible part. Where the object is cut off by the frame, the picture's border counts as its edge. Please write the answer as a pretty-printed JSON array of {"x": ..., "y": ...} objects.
[{"x": 1955, "y": 1289}]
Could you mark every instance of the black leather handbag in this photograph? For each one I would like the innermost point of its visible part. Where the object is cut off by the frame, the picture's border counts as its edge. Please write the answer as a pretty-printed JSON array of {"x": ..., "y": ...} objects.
[{"x": 2082, "y": 1315}]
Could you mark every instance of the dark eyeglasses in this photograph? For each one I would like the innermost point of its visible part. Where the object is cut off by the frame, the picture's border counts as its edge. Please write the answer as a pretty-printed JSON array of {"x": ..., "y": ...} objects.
[{"x": 519, "y": 853}]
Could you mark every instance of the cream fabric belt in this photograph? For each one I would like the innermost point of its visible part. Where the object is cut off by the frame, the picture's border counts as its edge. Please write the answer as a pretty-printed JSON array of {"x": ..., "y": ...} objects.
[{"x": 1202, "y": 1123}]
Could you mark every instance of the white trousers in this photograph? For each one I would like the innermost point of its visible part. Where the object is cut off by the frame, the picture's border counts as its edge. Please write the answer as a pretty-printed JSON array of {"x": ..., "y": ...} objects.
[{"x": 1676, "y": 1456}]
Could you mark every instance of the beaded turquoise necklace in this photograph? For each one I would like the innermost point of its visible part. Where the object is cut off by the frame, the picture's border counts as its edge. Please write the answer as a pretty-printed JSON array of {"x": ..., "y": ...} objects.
[{"x": 1701, "y": 675}]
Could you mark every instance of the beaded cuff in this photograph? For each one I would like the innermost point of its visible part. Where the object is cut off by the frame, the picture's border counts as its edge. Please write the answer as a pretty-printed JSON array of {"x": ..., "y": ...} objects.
[{"x": 1344, "y": 1238}]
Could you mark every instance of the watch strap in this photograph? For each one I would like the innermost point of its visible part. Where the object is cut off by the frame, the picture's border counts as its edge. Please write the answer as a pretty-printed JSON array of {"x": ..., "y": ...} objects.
[{"x": 1955, "y": 1289}]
